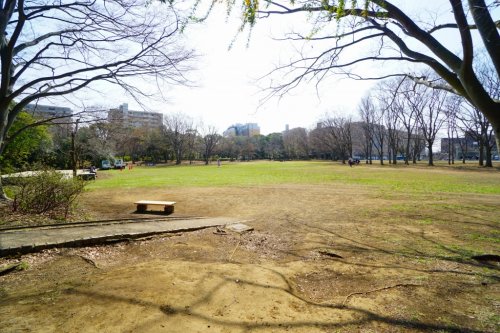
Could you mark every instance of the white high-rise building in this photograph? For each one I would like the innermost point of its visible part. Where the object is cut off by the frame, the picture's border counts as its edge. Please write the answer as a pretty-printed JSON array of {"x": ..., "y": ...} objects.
[{"x": 134, "y": 119}]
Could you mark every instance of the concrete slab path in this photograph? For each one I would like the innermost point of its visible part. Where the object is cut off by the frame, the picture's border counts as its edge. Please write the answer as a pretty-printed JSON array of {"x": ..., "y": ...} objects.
[{"x": 35, "y": 239}]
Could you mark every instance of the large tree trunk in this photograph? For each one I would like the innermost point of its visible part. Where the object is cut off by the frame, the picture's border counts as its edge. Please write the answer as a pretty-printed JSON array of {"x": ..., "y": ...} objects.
[
  {"x": 488, "y": 149},
  {"x": 481, "y": 153},
  {"x": 431, "y": 154},
  {"x": 407, "y": 150},
  {"x": 496, "y": 130}
]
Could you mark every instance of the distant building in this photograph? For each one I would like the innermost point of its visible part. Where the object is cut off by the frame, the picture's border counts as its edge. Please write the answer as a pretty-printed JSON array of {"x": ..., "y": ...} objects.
[
  {"x": 135, "y": 119},
  {"x": 62, "y": 117},
  {"x": 248, "y": 130},
  {"x": 466, "y": 147},
  {"x": 48, "y": 111}
]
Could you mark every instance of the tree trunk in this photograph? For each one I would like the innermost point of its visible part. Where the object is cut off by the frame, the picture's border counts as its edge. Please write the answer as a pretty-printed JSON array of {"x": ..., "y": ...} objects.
[
  {"x": 74, "y": 154},
  {"x": 74, "y": 160},
  {"x": 496, "y": 130},
  {"x": 453, "y": 155},
  {"x": 407, "y": 152},
  {"x": 178, "y": 157},
  {"x": 481, "y": 153},
  {"x": 449, "y": 150},
  {"x": 488, "y": 149},
  {"x": 431, "y": 154}
]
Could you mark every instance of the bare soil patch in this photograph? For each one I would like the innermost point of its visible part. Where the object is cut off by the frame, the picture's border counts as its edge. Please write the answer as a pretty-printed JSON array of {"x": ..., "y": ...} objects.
[{"x": 397, "y": 272}]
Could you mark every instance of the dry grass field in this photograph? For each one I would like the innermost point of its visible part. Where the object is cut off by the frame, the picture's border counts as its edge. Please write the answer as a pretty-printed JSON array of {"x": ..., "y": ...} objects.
[{"x": 334, "y": 249}]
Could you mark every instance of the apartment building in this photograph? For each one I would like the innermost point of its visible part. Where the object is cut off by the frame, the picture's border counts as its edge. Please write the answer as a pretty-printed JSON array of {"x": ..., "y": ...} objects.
[
  {"x": 135, "y": 119},
  {"x": 49, "y": 111}
]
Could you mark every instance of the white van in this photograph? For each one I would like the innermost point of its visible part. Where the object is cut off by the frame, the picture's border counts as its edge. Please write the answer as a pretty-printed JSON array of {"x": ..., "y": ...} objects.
[
  {"x": 119, "y": 164},
  {"x": 105, "y": 165}
]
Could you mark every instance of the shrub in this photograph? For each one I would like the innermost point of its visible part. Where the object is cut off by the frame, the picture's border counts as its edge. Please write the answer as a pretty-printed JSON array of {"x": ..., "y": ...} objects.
[{"x": 46, "y": 192}]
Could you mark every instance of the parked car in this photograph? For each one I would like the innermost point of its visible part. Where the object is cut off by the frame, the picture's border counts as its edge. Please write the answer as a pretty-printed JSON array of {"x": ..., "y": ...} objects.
[
  {"x": 105, "y": 165},
  {"x": 119, "y": 164}
]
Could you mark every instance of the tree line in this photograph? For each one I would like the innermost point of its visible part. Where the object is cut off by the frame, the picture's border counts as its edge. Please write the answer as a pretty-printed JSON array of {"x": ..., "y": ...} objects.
[{"x": 398, "y": 121}]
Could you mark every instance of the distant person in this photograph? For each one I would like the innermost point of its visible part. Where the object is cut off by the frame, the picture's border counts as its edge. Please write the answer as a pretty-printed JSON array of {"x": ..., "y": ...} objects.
[
  {"x": 218, "y": 162},
  {"x": 93, "y": 170},
  {"x": 350, "y": 162}
]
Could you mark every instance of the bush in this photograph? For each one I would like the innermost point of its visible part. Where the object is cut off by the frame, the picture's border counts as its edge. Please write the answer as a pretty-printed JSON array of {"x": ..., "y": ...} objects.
[{"x": 46, "y": 192}]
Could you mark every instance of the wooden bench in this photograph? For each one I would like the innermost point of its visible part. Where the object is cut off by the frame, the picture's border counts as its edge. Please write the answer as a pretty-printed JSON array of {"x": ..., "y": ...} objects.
[
  {"x": 87, "y": 176},
  {"x": 142, "y": 205}
]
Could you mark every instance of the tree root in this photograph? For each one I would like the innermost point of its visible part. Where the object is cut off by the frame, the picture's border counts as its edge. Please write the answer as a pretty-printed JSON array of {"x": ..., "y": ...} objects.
[
  {"x": 379, "y": 289},
  {"x": 88, "y": 260}
]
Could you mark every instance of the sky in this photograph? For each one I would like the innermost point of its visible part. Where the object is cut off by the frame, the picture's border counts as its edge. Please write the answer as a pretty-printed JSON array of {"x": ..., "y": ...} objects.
[{"x": 226, "y": 87}]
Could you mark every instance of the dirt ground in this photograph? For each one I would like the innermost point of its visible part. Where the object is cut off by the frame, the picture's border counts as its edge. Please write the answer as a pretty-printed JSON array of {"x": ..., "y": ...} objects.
[{"x": 320, "y": 259}]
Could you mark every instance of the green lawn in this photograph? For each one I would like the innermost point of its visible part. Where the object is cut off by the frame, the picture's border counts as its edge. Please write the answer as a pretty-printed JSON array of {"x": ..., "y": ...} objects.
[{"x": 406, "y": 179}]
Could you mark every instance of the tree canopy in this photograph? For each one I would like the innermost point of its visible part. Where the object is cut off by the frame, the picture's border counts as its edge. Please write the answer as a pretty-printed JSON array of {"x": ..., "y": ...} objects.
[{"x": 28, "y": 143}]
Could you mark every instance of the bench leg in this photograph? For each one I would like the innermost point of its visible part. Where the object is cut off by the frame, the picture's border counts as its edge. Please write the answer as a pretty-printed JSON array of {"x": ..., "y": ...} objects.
[
  {"x": 168, "y": 209},
  {"x": 141, "y": 208}
]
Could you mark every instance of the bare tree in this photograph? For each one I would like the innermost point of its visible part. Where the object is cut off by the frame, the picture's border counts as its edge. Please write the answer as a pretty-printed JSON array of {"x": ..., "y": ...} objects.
[
  {"x": 389, "y": 33},
  {"x": 408, "y": 106},
  {"x": 80, "y": 140},
  {"x": 210, "y": 141},
  {"x": 177, "y": 131},
  {"x": 380, "y": 136},
  {"x": 295, "y": 143},
  {"x": 386, "y": 132},
  {"x": 367, "y": 112},
  {"x": 452, "y": 107},
  {"x": 338, "y": 132},
  {"x": 431, "y": 117},
  {"x": 192, "y": 144},
  {"x": 323, "y": 144},
  {"x": 49, "y": 49},
  {"x": 393, "y": 128},
  {"x": 476, "y": 126}
]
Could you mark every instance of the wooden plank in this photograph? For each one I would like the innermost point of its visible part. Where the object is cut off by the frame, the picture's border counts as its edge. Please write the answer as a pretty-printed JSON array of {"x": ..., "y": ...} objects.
[{"x": 152, "y": 202}]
